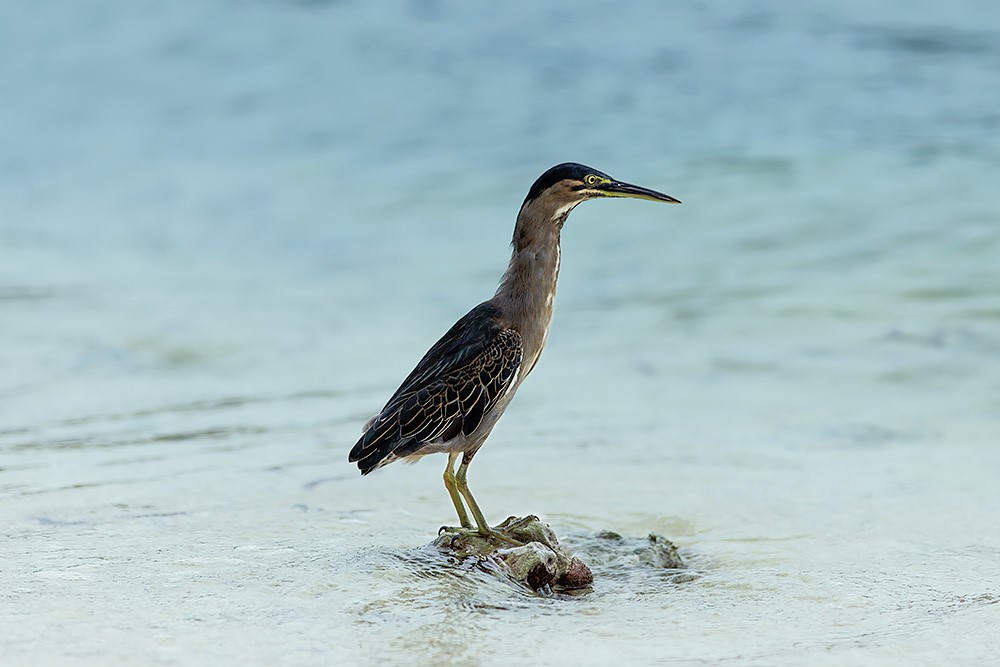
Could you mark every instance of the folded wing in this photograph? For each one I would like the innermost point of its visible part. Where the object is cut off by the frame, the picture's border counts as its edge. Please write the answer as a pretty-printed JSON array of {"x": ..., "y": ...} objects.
[{"x": 452, "y": 389}]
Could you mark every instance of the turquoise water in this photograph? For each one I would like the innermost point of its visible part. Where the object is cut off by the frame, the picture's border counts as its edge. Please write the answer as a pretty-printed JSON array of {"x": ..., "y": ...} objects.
[{"x": 228, "y": 230}]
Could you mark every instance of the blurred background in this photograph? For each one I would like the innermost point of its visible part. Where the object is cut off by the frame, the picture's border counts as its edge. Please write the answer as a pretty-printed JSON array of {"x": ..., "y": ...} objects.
[{"x": 229, "y": 228}]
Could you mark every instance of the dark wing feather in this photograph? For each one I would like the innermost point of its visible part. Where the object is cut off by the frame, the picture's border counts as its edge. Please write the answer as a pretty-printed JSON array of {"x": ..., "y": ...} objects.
[{"x": 449, "y": 392}]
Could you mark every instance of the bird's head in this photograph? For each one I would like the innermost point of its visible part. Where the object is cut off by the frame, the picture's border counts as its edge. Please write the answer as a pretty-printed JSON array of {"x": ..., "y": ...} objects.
[{"x": 565, "y": 185}]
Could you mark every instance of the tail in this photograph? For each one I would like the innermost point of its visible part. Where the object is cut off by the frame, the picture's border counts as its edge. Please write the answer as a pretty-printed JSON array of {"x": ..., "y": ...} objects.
[
  {"x": 368, "y": 458},
  {"x": 379, "y": 445}
]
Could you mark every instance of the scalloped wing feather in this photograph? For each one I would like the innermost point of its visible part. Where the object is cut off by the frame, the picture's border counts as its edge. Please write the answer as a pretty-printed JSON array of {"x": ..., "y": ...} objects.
[{"x": 460, "y": 379}]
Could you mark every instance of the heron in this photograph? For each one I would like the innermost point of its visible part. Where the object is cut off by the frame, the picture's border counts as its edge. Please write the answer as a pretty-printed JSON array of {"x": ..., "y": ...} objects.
[{"x": 451, "y": 401}]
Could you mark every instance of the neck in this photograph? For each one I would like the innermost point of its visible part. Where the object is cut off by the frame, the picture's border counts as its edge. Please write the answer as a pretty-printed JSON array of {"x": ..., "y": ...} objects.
[{"x": 528, "y": 287}]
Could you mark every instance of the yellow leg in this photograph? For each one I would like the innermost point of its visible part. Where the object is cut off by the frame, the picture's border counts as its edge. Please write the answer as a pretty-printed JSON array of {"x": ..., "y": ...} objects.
[
  {"x": 451, "y": 485},
  {"x": 463, "y": 488}
]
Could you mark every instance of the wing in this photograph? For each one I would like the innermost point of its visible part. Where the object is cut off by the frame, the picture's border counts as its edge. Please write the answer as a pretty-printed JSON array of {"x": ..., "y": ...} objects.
[{"x": 459, "y": 380}]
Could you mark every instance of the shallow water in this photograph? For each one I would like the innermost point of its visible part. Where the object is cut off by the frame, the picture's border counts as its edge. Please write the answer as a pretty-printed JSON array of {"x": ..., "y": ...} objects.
[{"x": 228, "y": 230}]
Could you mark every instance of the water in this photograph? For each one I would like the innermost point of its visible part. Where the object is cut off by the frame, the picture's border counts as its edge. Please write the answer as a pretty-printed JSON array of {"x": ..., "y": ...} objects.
[{"x": 229, "y": 229}]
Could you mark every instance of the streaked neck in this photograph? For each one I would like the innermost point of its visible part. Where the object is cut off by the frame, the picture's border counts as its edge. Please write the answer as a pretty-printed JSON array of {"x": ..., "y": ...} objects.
[{"x": 528, "y": 287}]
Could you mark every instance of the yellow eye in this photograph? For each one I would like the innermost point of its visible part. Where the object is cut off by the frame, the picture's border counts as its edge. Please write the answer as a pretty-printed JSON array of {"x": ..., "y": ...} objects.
[{"x": 591, "y": 180}]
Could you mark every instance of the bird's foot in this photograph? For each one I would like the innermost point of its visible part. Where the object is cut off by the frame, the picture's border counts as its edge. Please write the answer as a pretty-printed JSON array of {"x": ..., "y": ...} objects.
[
  {"x": 523, "y": 522},
  {"x": 498, "y": 535},
  {"x": 457, "y": 529},
  {"x": 486, "y": 533}
]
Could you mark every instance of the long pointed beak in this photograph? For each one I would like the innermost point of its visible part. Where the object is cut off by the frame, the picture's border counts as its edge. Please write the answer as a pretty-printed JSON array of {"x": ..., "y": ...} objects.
[{"x": 619, "y": 189}]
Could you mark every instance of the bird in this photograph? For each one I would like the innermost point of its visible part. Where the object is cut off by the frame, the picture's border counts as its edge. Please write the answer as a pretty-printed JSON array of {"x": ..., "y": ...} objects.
[{"x": 454, "y": 396}]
